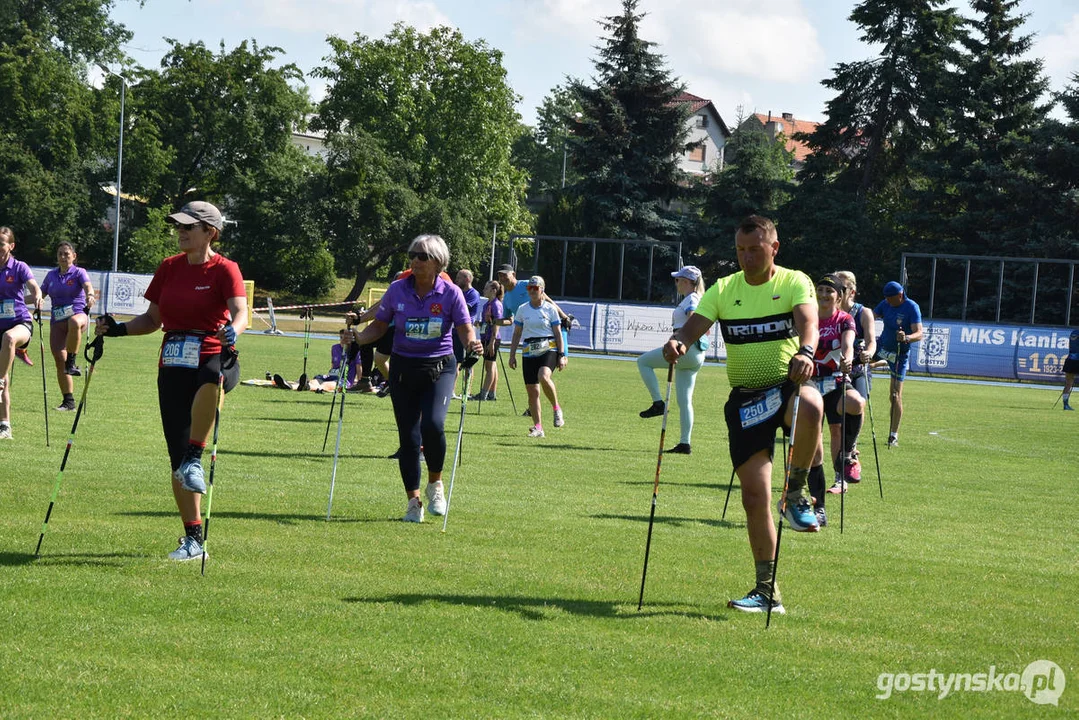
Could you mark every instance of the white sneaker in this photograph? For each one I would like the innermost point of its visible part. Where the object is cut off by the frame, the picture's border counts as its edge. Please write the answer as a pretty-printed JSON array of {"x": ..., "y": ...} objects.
[
  {"x": 189, "y": 549},
  {"x": 536, "y": 431},
  {"x": 5, "y": 432},
  {"x": 436, "y": 500},
  {"x": 559, "y": 420},
  {"x": 414, "y": 512}
]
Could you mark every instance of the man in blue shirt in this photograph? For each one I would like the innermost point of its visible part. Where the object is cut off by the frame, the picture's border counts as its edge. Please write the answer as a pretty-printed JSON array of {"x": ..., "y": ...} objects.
[{"x": 902, "y": 326}]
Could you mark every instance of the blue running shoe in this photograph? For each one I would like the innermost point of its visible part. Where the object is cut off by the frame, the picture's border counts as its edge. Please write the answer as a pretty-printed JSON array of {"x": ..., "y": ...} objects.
[
  {"x": 755, "y": 602},
  {"x": 799, "y": 515},
  {"x": 190, "y": 549},
  {"x": 191, "y": 478}
]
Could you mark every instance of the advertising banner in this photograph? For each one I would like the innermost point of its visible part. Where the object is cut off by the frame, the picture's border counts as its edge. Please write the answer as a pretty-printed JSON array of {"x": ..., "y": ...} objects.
[{"x": 1011, "y": 352}]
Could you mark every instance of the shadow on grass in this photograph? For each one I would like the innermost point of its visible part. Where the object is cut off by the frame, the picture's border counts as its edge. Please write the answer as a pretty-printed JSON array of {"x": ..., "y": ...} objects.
[
  {"x": 673, "y": 521},
  {"x": 663, "y": 483},
  {"x": 279, "y": 518},
  {"x": 309, "y": 421},
  {"x": 560, "y": 446},
  {"x": 328, "y": 455},
  {"x": 47, "y": 558},
  {"x": 537, "y": 608}
]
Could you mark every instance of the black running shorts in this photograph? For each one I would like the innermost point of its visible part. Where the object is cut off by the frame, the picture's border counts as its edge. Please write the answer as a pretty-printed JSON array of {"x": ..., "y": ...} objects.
[
  {"x": 176, "y": 388},
  {"x": 530, "y": 366},
  {"x": 753, "y": 416}
]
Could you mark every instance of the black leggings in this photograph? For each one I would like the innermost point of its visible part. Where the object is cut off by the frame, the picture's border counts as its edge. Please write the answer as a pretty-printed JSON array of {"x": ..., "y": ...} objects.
[
  {"x": 176, "y": 388},
  {"x": 420, "y": 406}
]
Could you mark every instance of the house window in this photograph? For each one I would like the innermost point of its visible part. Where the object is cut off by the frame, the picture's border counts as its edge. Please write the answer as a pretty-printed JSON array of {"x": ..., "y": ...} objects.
[
  {"x": 696, "y": 153},
  {"x": 702, "y": 121}
]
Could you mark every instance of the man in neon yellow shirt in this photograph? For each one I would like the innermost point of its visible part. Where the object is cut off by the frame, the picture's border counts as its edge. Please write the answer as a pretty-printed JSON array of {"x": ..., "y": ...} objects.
[{"x": 768, "y": 316}]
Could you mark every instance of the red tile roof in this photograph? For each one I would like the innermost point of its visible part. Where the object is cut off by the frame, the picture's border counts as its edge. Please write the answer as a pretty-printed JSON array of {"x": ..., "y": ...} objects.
[
  {"x": 695, "y": 103},
  {"x": 789, "y": 128}
]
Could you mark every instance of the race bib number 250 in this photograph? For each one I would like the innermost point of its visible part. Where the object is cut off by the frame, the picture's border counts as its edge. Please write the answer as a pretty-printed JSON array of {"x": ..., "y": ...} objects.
[{"x": 760, "y": 408}]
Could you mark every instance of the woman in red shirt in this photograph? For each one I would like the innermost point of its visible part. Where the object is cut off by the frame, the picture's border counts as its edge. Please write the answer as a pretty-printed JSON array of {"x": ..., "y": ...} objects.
[{"x": 198, "y": 299}]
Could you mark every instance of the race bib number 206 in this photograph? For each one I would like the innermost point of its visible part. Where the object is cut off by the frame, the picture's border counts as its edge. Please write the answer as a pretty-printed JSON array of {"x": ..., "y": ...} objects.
[{"x": 181, "y": 351}]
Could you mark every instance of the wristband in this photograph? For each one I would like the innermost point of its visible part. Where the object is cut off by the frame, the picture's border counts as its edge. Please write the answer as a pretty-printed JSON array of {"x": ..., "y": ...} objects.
[
  {"x": 806, "y": 351},
  {"x": 561, "y": 355}
]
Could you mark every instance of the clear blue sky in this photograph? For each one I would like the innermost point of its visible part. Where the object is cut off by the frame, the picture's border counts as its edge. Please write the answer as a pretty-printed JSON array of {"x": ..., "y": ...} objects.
[{"x": 764, "y": 56}]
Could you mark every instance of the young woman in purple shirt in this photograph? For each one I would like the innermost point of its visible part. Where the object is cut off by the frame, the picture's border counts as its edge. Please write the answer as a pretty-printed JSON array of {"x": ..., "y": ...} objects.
[
  {"x": 72, "y": 296},
  {"x": 424, "y": 308},
  {"x": 16, "y": 327}
]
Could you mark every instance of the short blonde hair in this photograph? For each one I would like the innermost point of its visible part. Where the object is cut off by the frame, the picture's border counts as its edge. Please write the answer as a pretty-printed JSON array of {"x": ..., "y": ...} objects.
[{"x": 848, "y": 279}]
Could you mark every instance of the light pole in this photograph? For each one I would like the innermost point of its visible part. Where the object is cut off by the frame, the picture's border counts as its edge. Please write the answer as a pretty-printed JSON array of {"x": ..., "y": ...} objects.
[{"x": 119, "y": 168}]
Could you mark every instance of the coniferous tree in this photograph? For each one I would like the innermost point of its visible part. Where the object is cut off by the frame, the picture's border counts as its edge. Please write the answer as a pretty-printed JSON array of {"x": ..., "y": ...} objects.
[
  {"x": 982, "y": 185},
  {"x": 885, "y": 111},
  {"x": 631, "y": 134}
]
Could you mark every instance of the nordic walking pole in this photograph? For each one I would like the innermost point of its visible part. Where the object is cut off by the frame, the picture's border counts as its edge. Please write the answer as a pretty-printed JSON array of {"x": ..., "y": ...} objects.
[
  {"x": 97, "y": 347},
  {"x": 342, "y": 374},
  {"x": 337, "y": 445},
  {"x": 730, "y": 486},
  {"x": 655, "y": 484},
  {"x": 308, "y": 316},
  {"x": 213, "y": 457},
  {"x": 506, "y": 377},
  {"x": 467, "y": 364},
  {"x": 1052, "y": 408},
  {"x": 783, "y": 507},
  {"x": 872, "y": 428},
  {"x": 842, "y": 451},
  {"x": 44, "y": 386}
]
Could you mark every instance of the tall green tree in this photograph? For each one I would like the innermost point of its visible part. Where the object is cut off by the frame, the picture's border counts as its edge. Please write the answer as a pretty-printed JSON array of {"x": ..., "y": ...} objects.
[
  {"x": 52, "y": 135},
  {"x": 217, "y": 126},
  {"x": 981, "y": 184},
  {"x": 440, "y": 107},
  {"x": 628, "y": 144},
  {"x": 543, "y": 150},
  {"x": 886, "y": 110},
  {"x": 757, "y": 179}
]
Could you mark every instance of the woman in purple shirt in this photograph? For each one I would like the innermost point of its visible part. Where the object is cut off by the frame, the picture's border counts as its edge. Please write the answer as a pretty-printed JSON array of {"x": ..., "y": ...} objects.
[
  {"x": 72, "y": 296},
  {"x": 490, "y": 319},
  {"x": 15, "y": 325},
  {"x": 424, "y": 309}
]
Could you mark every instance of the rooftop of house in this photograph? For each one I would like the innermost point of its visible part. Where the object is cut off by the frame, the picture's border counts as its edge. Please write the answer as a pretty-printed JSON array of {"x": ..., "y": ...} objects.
[{"x": 788, "y": 125}]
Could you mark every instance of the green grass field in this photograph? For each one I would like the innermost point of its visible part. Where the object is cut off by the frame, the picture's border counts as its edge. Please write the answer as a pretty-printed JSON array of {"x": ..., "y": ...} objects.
[{"x": 527, "y": 606}]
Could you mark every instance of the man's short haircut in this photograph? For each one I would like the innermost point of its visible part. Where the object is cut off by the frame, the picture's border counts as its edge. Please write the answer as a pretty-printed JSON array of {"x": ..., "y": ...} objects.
[{"x": 751, "y": 223}]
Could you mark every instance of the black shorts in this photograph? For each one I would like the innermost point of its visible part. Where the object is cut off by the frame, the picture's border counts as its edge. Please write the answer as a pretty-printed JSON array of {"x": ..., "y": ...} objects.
[
  {"x": 176, "y": 388},
  {"x": 530, "y": 366},
  {"x": 29, "y": 325},
  {"x": 493, "y": 354},
  {"x": 1071, "y": 366},
  {"x": 384, "y": 345},
  {"x": 746, "y": 441}
]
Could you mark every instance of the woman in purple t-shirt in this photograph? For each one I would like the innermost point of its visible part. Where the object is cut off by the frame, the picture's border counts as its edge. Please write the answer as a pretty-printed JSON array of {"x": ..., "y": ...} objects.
[
  {"x": 72, "y": 296},
  {"x": 490, "y": 319},
  {"x": 424, "y": 309},
  {"x": 15, "y": 325}
]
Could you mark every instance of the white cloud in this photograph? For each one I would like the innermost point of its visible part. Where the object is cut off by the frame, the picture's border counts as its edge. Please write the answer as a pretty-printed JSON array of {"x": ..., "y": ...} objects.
[
  {"x": 771, "y": 42},
  {"x": 344, "y": 18},
  {"x": 1060, "y": 51}
]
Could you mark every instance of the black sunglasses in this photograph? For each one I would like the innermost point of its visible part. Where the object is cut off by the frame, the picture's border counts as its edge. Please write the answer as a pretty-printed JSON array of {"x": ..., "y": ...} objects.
[
  {"x": 187, "y": 226},
  {"x": 412, "y": 255}
]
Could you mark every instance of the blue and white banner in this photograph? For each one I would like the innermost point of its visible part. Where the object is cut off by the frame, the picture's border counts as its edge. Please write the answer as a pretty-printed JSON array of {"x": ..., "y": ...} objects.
[{"x": 1012, "y": 352}]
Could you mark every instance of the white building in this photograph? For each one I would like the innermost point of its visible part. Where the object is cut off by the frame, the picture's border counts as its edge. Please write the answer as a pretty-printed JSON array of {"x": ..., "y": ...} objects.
[
  {"x": 312, "y": 142},
  {"x": 707, "y": 138}
]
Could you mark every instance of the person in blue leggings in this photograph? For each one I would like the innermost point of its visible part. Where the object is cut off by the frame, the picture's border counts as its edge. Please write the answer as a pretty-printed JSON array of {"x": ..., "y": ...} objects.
[{"x": 690, "y": 284}]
